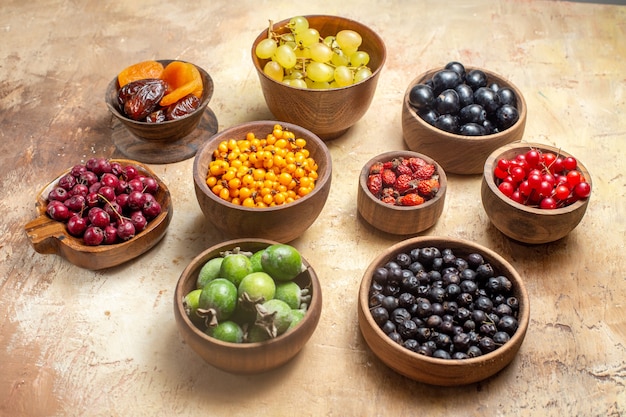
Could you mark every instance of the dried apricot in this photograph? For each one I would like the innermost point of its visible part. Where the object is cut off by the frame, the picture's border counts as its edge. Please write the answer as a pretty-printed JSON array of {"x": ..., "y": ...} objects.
[
  {"x": 139, "y": 71},
  {"x": 183, "y": 79}
]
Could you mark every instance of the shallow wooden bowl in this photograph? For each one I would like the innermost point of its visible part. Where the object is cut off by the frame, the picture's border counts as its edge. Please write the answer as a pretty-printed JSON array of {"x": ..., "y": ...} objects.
[
  {"x": 245, "y": 358},
  {"x": 280, "y": 223},
  {"x": 168, "y": 131},
  {"x": 49, "y": 236},
  {"x": 458, "y": 154},
  {"x": 523, "y": 223},
  {"x": 327, "y": 113},
  {"x": 400, "y": 220},
  {"x": 435, "y": 371}
]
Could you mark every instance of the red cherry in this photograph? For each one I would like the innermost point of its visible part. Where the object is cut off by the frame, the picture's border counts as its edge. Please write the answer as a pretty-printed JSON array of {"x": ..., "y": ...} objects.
[
  {"x": 547, "y": 203},
  {"x": 570, "y": 163},
  {"x": 93, "y": 236},
  {"x": 503, "y": 164},
  {"x": 533, "y": 157},
  {"x": 548, "y": 158},
  {"x": 582, "y": 190},
  {"x": 557, "y": 166},
  {"x": 518, "y": 174},
  {"x": 76, "y": 225},
  {"x": 561, "y": 192},
  {"x": 506, "y": 188},
  {"x": 499, "y": 173},
  {"x": 573, "y": 178}
]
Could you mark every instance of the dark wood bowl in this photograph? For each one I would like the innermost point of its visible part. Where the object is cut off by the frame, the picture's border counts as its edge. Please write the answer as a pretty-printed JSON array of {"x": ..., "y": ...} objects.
[
  {"x": 458, "y": 154},
  {"x": 435, "y": 371},
  {"x": 245, "y": 358},
  {"x": 400, "y": 220},
  {"x": 49, "y": 236},
  {"x": 168, "y": 131},
  {"x": 523, "y": 223},
  {"x": 327, "y": 113},
  {"x": 280, "y": 223}
]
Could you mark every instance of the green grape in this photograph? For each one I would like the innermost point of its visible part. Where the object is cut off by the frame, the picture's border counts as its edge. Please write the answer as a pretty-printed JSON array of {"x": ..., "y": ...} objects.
[
  {"x": 266, "y": 48},
  {"x": 320, "y": 52},
  {"x": 320, "y": 72},
  {"x": 273, "y": 70},
  {"x": 307, "y": 37},
  {"x": 316, "y": 85},
  {"x": 349, "y": 40},
  {"x": 297, "y": 83},
  {"x": 339, "y": 58},
  {"x": 330, "y": 42},
  {"x": 298, "y": 24},
  {"x": 294, "y": 74},
  {"x": 359, "y": 59},
  {"x": 285, "y": 56},
  {"x": 362, "y": 74},
  {"x": 343, "y": 76},
  {"x": 303, "y": 53},
  {"x": 287, "y": 38}
]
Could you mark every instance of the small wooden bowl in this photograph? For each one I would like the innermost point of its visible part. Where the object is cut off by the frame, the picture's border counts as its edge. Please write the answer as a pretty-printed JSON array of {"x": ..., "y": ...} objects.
[
  {"x": 458, "y": 154},
  {"x": 523, "y": 223},
  {"x": 327, "y": 113},
  {"x": 49, "y": 236},
  {"x": 168, "y": 131},
  {"x": 435, "y": 371},
  {"x": 400, "y": 220},
  {"x": 245, "y": 358},
  {"x": 280, "y": 223}
]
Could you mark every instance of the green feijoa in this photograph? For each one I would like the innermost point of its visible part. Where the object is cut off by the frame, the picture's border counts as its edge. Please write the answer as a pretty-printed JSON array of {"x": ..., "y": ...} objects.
[
  {"x": 191, "y": 302},
  {"x": 235, "y": 267},
  {"x": 289, "y": 292},
  {"x": 297, "y": 316},
  {"x": 257, "y": 285},
  {"x": 209, "y": 271},
  {"x": 220, "y": 297},
  {"x": 227, "y": 331},
  {"x": 283, "y": 262},
  {"x": 255, "y": 260},
  {"x": 274, "y": 315}
]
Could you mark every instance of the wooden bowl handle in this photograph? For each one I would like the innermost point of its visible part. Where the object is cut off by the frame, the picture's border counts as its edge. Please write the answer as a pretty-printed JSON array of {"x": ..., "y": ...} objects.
[{"x": 45, "y": 234}]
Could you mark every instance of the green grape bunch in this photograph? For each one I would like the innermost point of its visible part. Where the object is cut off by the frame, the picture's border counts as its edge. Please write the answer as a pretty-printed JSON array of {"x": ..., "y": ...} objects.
[{"x": 302, "y": 58}]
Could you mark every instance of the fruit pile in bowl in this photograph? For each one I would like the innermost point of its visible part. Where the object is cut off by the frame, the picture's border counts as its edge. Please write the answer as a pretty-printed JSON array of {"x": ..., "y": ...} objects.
[
  {"x": 459, "y": 115},
  {"x": 535, "y": 193},
  {"x": 401, "y": 192},
  {"x": 319, "y": 72},
  {"x": 160, "y": 100},
  {"x": 443, "y": 311},
  {"x": 101, "y": 213},
  {"x": 247, "y": 305}
]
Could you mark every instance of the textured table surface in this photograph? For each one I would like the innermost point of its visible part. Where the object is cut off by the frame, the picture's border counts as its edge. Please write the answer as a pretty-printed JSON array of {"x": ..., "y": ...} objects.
[{"x": 81, "y": 343}]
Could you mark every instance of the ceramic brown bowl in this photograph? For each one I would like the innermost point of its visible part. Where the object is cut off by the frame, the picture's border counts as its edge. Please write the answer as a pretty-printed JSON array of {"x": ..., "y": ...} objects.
[
  {"x": 49, "y": 236},
  {"x": 281, "y": 223},
  {"x": 400, "y": 220},
  {"x": 168, "y": 131},
  {"x": 245, "y": 358},
  {"x": 523, "y": 223},
  {"x": 428, "y": 369},
  {"x": 458, "y": 154},
  {"x": 327, "y": 113}
]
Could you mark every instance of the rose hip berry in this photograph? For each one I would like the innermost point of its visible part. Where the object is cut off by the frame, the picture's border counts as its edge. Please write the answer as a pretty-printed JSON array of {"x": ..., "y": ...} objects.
[{"x": 92, "y": 199}]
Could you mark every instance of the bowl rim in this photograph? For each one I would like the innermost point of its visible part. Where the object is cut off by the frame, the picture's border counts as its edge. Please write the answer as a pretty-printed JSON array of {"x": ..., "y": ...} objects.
[
  {"x": 114, "y": 86},
  {"x": 443, "y": 181},
  {"x": 491, "y": 75},
  {"x": 383, "y": 53},
  {"x": 316, "y": 299},
  {"x": 319, "y": 183},
  {"x": 488, "y": 177},
  {"x": 489, "y": 254},
  {"x": 75, "y": 244}
]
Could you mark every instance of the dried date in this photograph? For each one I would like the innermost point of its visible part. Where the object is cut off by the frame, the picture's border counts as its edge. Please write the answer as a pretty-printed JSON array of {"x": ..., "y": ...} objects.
[
  {"x": 157, "y": 116},
  {"x": 141, "y": 97},
  {"x": 182, "y": 107}
]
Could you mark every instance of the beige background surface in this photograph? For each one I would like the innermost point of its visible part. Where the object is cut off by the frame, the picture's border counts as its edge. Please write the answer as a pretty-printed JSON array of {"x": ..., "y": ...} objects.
[{"x": 80, "y": 343}]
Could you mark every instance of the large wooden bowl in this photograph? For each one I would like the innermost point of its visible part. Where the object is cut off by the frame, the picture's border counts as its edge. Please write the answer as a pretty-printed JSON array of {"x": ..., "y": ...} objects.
[
  {"x": 245, "y": 358},
  {"x": 280, "y": 223},
  {"x": 327, "y": 113},
  {"x": 400, "y": 220},
  {"x": 436, "y": 371},
  {"x": 523, "y": 223},
  {"x": 170, "y": 130},
  {"x": 49, "y": 236},
  {"x": 458, "y": 154}
]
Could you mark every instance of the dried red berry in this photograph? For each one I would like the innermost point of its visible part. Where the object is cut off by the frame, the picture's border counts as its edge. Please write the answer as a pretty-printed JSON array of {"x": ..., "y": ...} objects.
[
  {"x": 411, "y": 199},
  {"x": 388, "y": 177},
  {"x": 375, "y": 184}
]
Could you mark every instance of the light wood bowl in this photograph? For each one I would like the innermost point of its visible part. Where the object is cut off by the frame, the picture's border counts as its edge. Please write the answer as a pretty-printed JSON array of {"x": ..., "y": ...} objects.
[
  {"x": 327, "y": 113},
  {"x": 170, "y": 130},
  {"x": 458, "y": 154},
  {"x": 245, "y": 358},
  {"x": 281, "y": 223},
  {"x": 523, "y": 223},
  {"x": 435, "y": 371},
  {"x": 400, "y": 220},
  {"x": 49, "y": 236}
]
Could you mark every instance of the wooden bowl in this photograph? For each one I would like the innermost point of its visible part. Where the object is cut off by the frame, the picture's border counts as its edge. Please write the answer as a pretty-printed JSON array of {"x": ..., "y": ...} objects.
[
  {"x": 327, "y": 113},
  {"x": 427, "y": 369},
  {"x": 280, "y": 223},
  {"x": 170, "y": 130},
  {"x": 245, "y": 358},
  {"x": 49, "y": 236},
  {"x": 400, "y": 220},
  {"x": 458, "y": 154},
  {"x": 523, "y": 223}
]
